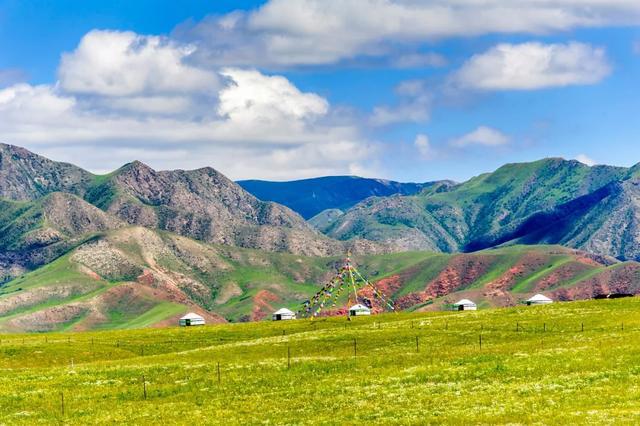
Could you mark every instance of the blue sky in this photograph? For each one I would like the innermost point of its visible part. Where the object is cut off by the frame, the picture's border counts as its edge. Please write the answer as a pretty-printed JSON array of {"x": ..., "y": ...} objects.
[{"x": 289, "y": 89}]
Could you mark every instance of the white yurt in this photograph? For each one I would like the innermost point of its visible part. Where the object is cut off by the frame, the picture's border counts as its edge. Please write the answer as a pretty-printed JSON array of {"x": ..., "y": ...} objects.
[
  {"x": 357, "y": 310},
  {"x": 191, "y": 319},
  {"x": 283, "y": 315},
  {"x": 465, "y": 305},
  {"x": 538, "y": 299}
]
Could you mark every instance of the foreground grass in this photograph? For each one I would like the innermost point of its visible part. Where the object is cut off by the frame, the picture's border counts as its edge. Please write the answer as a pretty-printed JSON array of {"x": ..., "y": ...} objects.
[{"x": 573, "y": 362}]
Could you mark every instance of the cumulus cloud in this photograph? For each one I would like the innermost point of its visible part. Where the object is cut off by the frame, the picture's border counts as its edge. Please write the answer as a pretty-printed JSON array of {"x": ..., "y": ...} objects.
[
  {"x": 252, "y": 124},
  {"x": 482, "y": 136},
  {"x": 284, "y": 33},
  {"x": 255, "y": 98},
  {"x": 584, "y": 159},
  {"x": 114, "y": 63},
  {"x": 414, "y": 105},
  {"x": 423, "y": 145},
  {"x": 529, "y": 66}
]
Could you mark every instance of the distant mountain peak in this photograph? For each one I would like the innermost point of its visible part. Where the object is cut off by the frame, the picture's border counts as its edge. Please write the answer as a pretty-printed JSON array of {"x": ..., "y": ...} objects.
[{"x": 309, "y": 197}]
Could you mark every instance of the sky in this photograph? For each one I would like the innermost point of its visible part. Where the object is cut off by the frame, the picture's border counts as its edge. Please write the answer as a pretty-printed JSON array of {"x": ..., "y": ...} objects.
[{"x": 285, "y": 89}]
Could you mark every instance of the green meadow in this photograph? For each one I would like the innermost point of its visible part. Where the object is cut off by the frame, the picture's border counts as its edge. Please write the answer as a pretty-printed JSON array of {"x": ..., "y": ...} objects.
[{"x": 575, "y": 362}]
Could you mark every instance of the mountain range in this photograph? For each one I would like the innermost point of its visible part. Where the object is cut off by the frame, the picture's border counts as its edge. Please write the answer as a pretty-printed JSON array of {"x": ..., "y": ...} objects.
[
  {"x": 310, "y": 197},
  {"x": 551, "y": 201},
  {"x": 138, "y": 247}
]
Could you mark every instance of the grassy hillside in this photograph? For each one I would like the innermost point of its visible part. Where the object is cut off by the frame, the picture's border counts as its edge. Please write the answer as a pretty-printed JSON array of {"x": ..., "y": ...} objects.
[
  {"x": 136, "y": 277},
  {"x": 486, "y": 210},
  {"x": 571, "y": 363}
]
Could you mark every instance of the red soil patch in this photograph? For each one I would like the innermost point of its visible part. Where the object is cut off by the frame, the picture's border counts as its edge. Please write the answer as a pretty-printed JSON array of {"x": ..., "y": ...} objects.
[
  {"x": 564, "y": 273},
  {"x": 462, "y": 271},
  {"x": 412, "y": 299},
  {"x": 622, "y": 280},
  {"x": 146, "y": 278},
  {"x": 498, "y": 290},
  {"x": 262, "y": 304},
  {"x": 387, "y": 287}
]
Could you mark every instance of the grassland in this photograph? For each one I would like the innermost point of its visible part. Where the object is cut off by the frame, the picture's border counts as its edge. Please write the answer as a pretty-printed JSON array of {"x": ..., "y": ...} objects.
[{"x": 575, "y": 362}]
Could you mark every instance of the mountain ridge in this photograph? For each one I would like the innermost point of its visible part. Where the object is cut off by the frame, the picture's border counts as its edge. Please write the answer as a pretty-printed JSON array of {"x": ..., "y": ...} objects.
[
  {"x": 309, "y": 197},
  {"x": 486, "y": 209}
]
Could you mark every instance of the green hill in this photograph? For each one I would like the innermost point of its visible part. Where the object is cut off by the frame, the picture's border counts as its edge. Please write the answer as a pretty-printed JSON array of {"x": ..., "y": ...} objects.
[
  {"x": 135, "y": 277},
  {"x": 548, "y": 201},
  {"x": 565, "y": 363}
]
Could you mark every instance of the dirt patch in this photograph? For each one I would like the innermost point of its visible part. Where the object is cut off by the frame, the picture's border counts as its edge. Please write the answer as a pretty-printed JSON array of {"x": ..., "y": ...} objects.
[
  {"x": 49, "y": 319},
  {"x": 462, "y": 271},
  {"x": 229, "y": 291},
  {"x": 28, "y": 298},
  {"x": 387, "y": 287},
  {"x": 107, "y": 261},
  {"x": 262, "y": 306},
  {"x": 621, "y": 280},
  {"x": 562, "y": 274}
]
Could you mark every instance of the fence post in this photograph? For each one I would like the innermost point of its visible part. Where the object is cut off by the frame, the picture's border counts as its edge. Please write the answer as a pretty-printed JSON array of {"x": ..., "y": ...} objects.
[
  {"x": 62, "y": 403},
  {"x": 218, "y": 370},
  {"x": 288, "y": 357},
  {"x": 480, "y": 341},
  {"x": 417, "y": 344},
  {"x": 144, "y": 387}
]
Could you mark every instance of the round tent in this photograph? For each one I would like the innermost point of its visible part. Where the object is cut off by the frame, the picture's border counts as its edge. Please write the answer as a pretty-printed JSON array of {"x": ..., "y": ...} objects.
[
  {"x": 283, "y": 315},
  {"x": 538, "y": 299},
  {"x": 191, "y": 319},
  {"x": 465, "y": 305},
  {"x": 358, "y": 310}
]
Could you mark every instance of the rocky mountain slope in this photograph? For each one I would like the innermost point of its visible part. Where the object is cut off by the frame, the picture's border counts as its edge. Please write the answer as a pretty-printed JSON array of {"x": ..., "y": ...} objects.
[
  {"x": 205, "y": 205},
  {"x": 49, "y": 207},
  {"x": 25, "y": 176},
  {"x": 37, "y": 232},
  {"x": 138, "y": 277},
  {"x": 309, "y": 197},
  {"x": 592, "y": 208}
]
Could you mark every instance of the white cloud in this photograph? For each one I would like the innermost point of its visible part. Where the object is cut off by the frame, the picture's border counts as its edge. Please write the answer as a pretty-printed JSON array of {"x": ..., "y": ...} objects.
[
  {"x": 584, "y": 159},
  {"x": 423, "y": 145},
  {"x": 311, "y": 32},
  {"x": 483, "y": 136},
  {"x": 113, "y": 63},
  {"x": 253, "y": 126},
  {"x": 531, "y": 66},
  {"x": 254, "y": 97},
  {"x": 414, "y": 106}
]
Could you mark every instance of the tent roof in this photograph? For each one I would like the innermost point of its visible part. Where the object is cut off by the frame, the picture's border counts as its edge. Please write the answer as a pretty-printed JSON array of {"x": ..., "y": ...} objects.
[
  {"x": 539, "y": 298},
  {"x": 464, "y": 302},
  {"x": 283, "y": 311},
  {"x": 359, "y": 307},
  {"x": 191, "y": 315}
]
